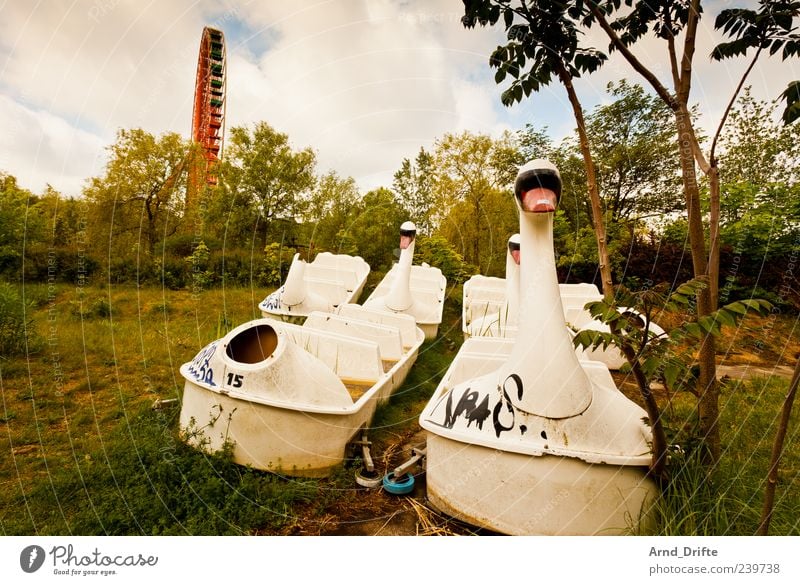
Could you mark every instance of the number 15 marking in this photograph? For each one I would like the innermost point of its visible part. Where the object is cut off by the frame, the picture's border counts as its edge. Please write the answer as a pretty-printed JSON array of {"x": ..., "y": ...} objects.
[{"x": 235, "y": 380}]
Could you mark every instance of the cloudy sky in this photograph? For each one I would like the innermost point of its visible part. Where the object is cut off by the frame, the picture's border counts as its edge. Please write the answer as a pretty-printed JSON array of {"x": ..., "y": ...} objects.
[{"x": 365, "y": 83}]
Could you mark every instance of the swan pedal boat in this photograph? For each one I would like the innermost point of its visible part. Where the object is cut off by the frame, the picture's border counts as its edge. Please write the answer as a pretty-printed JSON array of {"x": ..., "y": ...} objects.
[
  {"x": 289, "y": 398},
  {"x": 329, "y": 281}
]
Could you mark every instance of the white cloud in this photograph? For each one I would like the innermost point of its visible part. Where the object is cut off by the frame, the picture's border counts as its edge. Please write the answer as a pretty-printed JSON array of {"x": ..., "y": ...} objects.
[
  {"x": 365, "y": 83},
  {"x": 42, "y": 148}
]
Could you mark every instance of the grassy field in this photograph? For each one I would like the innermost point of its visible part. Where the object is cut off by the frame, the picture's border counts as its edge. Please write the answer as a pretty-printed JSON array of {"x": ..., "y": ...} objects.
[{"x": 82, "y": 452}]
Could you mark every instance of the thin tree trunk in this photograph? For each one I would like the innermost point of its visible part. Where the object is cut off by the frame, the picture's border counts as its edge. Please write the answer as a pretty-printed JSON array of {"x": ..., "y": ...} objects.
[
  {"x": 653, "y": 413},
  {"x": 594, "y": 193},
  {"x": 777, "y": 448},
  {"x": 708, "y": 390},
  {"x": 713, "y": 234}
]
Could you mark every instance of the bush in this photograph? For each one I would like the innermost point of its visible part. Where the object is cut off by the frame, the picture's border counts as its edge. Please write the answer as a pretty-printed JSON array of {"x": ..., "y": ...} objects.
[
  {"x": 439, "y": 252},
  {"x": 277, "y": 260},
  {"x": 16, "y": 330}
]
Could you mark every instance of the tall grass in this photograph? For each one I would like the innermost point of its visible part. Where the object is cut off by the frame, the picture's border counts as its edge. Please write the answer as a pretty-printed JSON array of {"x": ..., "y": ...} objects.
[
  {"x": 145, "y": 481},
  {"x": 727, "y": 501},
  {"x": 81, "y": 451}
]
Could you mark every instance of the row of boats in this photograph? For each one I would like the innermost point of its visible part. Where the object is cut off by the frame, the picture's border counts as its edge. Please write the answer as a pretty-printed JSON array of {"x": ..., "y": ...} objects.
[{"x": 525, "y": 434}]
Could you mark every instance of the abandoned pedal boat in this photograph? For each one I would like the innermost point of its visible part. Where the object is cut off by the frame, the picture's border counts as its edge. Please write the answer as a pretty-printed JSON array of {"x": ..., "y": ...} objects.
[
  {"x": 486, "y": 312},
  {"x": 288, "y": 398},
  {"x": 322, "y": 285},
  {"x": 411, "y": 290},
  {"x": 490, "y": 305},
  {"x": 523, "y": 437}
]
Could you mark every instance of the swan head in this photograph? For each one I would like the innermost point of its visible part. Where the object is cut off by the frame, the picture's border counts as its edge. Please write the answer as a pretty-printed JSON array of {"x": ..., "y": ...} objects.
[
  {"x": 537, "y": 188},
  {"x": 408, "y": 231},
  {"x": 513, "y": 247}
]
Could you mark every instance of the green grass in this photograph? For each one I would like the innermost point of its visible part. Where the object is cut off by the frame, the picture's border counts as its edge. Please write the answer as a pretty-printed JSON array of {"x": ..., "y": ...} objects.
[
  {"x": 728, "y": 501},
  {"x": 82, "y": 452}
]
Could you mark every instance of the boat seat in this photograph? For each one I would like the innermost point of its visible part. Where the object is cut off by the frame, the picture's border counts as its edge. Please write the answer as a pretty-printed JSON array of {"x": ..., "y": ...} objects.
[{"x": 387, "y": 337}]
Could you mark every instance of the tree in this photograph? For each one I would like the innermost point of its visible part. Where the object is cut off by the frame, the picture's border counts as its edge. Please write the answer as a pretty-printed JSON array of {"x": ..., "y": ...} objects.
[
  {"x": 669, "y": 21},
  {"x": 472, "y": 172},
  {"x": 17, "y": 225},
  {"x": 414, "y": 186},
  {"x": 654, "y": 355},
  {"x": 759, "y": 158},
  {"x": 332, "y": 207},
  {"x": 543, "y": 44},
  {"x": 375, "y": 227},
  {"x": 755, "y": 148},
  {"x": 264, "y": 178},
  {"x": 635, "y": 153},
  {"x": 142, "y": 192}
]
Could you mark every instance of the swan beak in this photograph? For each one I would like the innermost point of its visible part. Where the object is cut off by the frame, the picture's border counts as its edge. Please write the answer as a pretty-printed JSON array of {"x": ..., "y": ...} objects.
[{"x": 539, "y": 201}]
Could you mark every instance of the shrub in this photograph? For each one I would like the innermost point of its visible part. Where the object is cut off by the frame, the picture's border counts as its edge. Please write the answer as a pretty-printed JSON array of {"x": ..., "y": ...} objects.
[
  {"x": 16, "y": 330},
  {"x": 439, "y": 252}
]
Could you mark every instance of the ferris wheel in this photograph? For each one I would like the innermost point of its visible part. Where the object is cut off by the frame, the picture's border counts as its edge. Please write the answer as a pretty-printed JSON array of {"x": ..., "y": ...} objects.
[{"x": 208, "y": 116}]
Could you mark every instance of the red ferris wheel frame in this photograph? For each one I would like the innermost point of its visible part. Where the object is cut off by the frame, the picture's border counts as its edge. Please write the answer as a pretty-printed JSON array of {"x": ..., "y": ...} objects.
[{"x": 208, "y": 115}]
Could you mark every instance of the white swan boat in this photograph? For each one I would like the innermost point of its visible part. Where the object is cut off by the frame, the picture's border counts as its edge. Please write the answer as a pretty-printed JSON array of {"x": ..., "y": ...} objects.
[
  {"x": 523, "y": 437},
  {"x": 490, "y": 305},
  {"x": 289, "y": 398},
  {"x": 411, "y": 290},
  {"x": 489, "y": 310},
  {"x": 322, "y": 285}
]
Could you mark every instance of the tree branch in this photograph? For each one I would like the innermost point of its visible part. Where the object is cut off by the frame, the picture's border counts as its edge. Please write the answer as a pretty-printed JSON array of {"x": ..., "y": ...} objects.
[
  {"x": 689, "y": 46},
  {"x": 712, "y": 152},
  {"x": 673, "y": 55},
  {"x": 638, "y": 66}
]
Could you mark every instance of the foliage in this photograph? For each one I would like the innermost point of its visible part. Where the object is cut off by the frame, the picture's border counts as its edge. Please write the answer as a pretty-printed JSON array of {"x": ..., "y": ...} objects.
[
  {"x": 769, "y": 28},
  {"x": 473, "y": 173},
  {"x": 198, "y": 263},
  {"x": 17, "y": 332},
  {"x": 792, "y": 97},
  {"x": 333, "y": 206},
  {"x": 542, "y": 43},
  {"x": 277, "y": 260},
  {"x": 635, "y": 154},
  {"x": 374, "y": 230},
  {"x": 16, "y": 225},
  {"x": 653, "y": 355},
  {"x": 263, "y": 179},
  {"x": 755, "y": 148},
  {"x": 439, "y": 252},
  {"x": 414, "y": 186},
  {"x": 142, "y": 193}
]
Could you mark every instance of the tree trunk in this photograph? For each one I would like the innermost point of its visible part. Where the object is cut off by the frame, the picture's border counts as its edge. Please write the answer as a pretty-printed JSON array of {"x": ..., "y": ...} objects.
[
  {"x": 708, "y": 390},
  {"x": 659, "y": 460},
  {"x": 594, "y": 193},
  {"x": 713, "y": 234},
  {"x": 777, "y": 448}
]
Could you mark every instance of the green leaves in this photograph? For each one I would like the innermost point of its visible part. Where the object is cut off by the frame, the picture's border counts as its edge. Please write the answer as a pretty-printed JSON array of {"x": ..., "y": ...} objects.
[
  {"x": 591, "y": 339},
  {"x": 542, "y": 40},
  {"x": 770, "y": 28},
  {"x": 712, "y": 324},
  {"x": 792, "y": 98}
]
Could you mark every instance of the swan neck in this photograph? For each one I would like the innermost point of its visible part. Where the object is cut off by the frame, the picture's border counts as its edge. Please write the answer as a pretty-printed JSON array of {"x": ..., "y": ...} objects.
[
  {"x": 399, "y": 297},
  {"x": 294, "y": 289},
  {"x": 553, "y": 382}
]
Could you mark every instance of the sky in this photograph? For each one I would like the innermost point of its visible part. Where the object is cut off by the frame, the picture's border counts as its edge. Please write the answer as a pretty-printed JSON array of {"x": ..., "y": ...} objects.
[{"x": 365, "y": 83}]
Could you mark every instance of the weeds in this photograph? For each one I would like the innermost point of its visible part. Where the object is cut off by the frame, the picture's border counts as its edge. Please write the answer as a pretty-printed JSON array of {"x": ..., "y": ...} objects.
[
  {"x": 147, "y": 482},
  {"x": 16, "y": 327}
]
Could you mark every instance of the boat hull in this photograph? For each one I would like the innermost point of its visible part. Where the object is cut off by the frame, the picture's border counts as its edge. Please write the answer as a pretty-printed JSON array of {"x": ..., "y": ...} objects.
[
  {"x": 295, "y": 439},
  {"x": 519, "y": 494}
]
